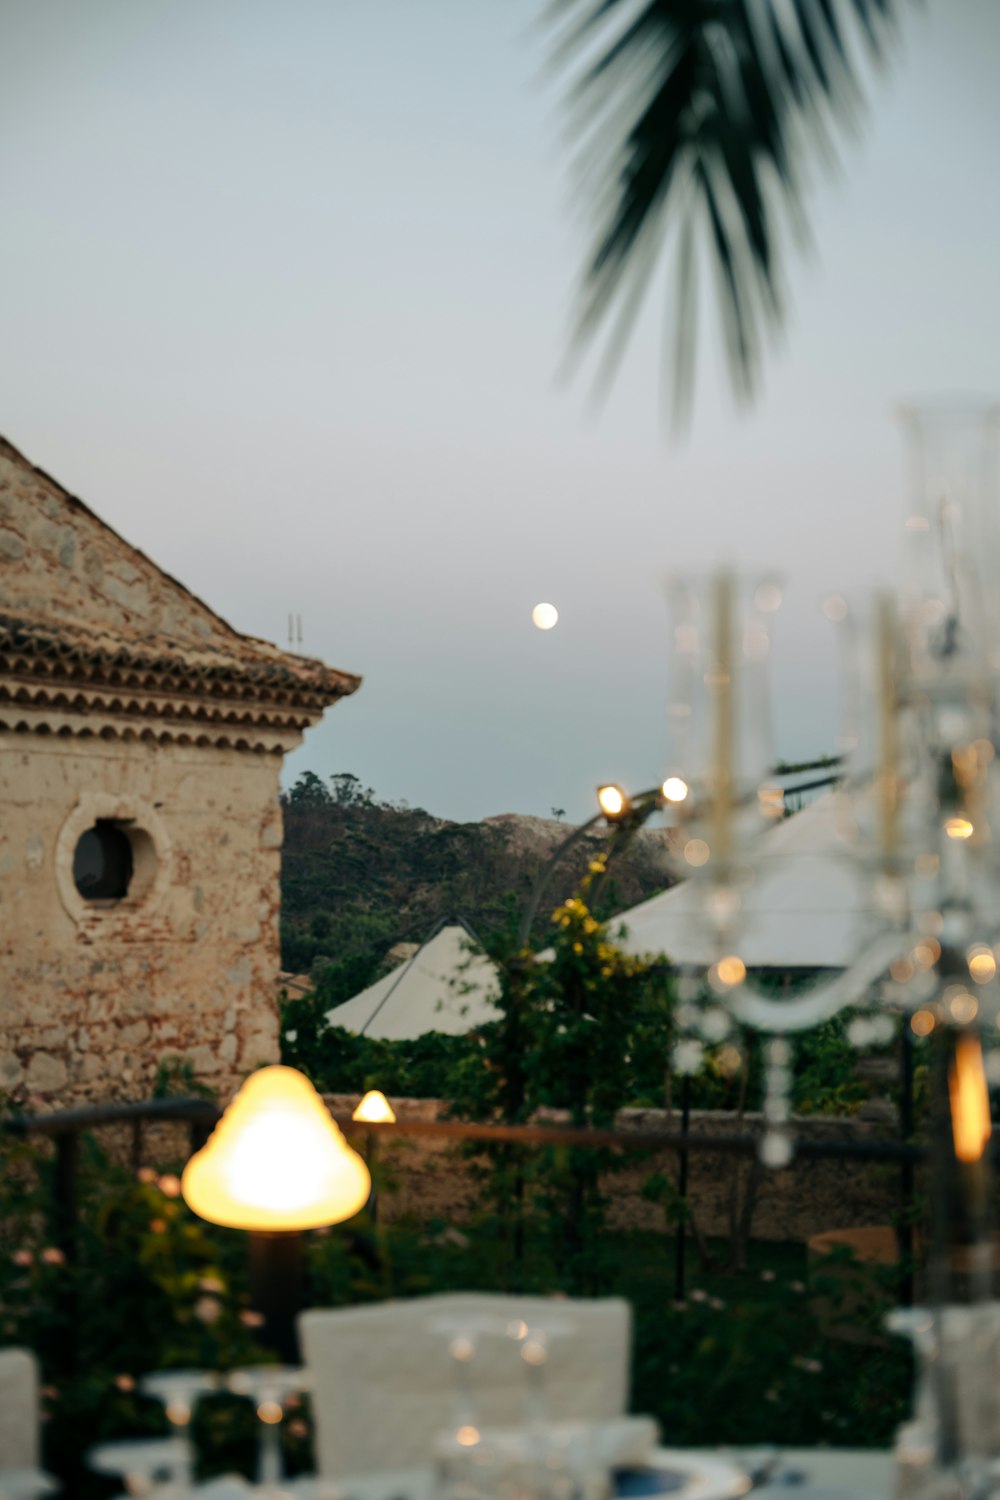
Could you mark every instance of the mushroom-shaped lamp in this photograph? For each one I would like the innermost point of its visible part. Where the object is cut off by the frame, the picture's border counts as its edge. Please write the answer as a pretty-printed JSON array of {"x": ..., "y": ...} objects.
[{"x": 276, "y": 1160}]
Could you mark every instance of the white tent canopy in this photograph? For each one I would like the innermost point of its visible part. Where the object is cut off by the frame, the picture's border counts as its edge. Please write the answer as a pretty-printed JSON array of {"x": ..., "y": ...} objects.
[
  {"x": 808, "y": 906},
  {"x": 443, "y": 987}
]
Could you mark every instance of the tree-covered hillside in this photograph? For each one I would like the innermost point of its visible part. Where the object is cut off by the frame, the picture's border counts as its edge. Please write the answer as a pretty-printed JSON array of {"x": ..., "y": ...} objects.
[{"x": 360, "y": 874}]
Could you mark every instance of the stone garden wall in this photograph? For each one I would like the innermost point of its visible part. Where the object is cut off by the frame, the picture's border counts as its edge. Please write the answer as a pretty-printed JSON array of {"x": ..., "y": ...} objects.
[{"x": 431, "y": 1178}]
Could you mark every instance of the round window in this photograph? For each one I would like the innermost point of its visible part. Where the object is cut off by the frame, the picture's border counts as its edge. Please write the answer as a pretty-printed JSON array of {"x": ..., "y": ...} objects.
[{"x": 102, "y": 862}]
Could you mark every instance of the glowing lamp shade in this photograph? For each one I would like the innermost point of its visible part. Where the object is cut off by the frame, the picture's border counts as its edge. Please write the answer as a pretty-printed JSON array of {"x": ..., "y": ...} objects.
[
  {"x": 276, "y": 1160},
  {"x": 374, "y": 1108}
]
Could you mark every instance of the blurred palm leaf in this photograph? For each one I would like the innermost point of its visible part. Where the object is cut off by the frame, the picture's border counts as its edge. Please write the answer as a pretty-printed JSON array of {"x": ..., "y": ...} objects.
[{"x": 691, "y": 120}]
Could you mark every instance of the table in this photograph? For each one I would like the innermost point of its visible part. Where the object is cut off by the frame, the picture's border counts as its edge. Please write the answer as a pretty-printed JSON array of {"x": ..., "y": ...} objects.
[{"x": 865, "y": 1473}]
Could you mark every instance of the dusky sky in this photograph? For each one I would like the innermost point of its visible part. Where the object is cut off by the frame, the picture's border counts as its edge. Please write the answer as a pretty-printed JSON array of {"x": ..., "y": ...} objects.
[{"x": 285, "y": 290}]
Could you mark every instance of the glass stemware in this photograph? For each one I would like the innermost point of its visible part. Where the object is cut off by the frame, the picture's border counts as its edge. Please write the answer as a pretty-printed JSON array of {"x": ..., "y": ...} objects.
[
  {"x": 269, "y": 1387},
  {"x": 178, "y": 1390}
]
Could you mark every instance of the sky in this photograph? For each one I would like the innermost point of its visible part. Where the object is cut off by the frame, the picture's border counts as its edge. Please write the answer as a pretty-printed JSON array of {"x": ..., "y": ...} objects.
[{"x": 284, "y": 296}]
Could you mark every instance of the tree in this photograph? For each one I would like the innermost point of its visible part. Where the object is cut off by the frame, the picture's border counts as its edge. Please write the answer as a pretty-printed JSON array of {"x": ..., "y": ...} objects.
[
  {"x": 569, "y": 1028},
  {"x": 308, "y": 792},
  {"x": 692, "y": 120}
]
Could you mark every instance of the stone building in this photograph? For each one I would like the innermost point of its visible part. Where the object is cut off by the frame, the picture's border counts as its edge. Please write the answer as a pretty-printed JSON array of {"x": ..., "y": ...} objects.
[{"x": 141, "y": 740}]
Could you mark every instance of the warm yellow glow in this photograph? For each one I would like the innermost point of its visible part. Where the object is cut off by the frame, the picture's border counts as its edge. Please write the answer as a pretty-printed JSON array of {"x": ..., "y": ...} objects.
[
  {"x": 731, "y": 970},
  {"x": 612, "y": 801},
  {"x": 374, "y": 1107},
  {"x": 901, "y": 970},
  {"x": 958, "y": 828},
  {"x": 982, "y": 964},
  {"x": 922, "y": 1022},
  {"x": 468, "y": 1437},
  {"x": 926, "y": 953},
  {"x": 544, "y": 616},
  {"x": 269, "y": 1412},
  {"x": 963, "y": 1006},
  {"x": 674, "y": 789},
  {"x": 696, "y": 852},
  {"x": 276, "y": 1160},
  {"x": 970, "y": 1100}
]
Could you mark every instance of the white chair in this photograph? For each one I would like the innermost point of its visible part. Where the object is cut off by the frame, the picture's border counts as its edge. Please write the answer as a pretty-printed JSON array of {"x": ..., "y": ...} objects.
[
  {"x": 18, "y": 1409},
  {"x": 383, "y": 1382}
]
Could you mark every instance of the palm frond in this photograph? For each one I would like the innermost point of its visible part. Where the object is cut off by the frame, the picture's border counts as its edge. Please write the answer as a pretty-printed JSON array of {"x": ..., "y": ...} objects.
[{"x": 691, "y": 120}]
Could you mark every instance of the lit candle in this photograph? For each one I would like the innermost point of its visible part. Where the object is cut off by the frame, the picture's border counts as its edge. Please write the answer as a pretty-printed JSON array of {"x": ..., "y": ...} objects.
[
  {"x": 970, "y": 1100},
  {"x": 968, "y": 1096}
]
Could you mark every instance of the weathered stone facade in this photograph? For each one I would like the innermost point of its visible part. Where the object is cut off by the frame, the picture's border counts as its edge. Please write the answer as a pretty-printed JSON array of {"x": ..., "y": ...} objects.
[{"x": 132, "y": 714}]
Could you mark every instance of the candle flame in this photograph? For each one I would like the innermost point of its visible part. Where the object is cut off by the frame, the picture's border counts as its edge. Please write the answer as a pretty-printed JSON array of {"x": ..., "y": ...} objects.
[{"x": 970, "y": 1100}]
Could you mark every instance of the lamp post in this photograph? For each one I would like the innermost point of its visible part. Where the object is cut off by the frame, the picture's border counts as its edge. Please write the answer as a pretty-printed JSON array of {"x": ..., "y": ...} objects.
[
  {"x": 623, "y": 814},
  {"x": 373, "y": 1109},
  {"x": 275, "y": 1165}
]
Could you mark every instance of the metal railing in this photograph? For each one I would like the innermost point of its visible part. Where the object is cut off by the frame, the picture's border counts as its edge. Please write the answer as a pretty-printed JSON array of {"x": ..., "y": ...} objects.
[{"x": 65, "y": 1127}]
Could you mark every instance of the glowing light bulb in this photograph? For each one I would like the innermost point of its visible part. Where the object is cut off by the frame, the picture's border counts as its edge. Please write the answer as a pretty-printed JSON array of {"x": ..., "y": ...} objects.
[
  {"x": 612, "y": 801},
  {"x": 926, "y": 953},
  {"x": 674, "y": 789},
  {"x": 922, "y": 1022},
  {"x": 982, "y": 964},
  {"x": 963, "y": 1007},
  {"x": 958, "y": 828},
  {"x": 544, "y": 616},
  {"x": 729, "y": 971}
]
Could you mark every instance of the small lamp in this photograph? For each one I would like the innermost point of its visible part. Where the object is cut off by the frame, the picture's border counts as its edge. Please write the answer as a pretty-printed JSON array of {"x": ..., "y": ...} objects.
[
  {"x": 276, "y": 1164},
  {"x": 374, "y": 1109}
]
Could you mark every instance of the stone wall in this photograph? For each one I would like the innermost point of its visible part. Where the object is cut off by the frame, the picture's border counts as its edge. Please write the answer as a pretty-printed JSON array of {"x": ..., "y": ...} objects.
[
  {"x": 430, "y": 1178},
  {"x": 131, "y": 713},
  {"x": 92, "y": 995}
]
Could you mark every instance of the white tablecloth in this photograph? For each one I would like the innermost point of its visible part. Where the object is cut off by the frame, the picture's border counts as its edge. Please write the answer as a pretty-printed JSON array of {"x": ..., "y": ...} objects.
[{"x": 862, "y": 1472}]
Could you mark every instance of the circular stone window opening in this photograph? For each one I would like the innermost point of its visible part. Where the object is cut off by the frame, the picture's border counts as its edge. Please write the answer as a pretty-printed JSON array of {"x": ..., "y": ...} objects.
[{"x": 112, "y": 860}]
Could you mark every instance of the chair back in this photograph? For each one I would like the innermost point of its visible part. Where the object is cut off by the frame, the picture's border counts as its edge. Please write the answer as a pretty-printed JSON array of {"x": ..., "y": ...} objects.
[
  {"x": 18, "y": 1409},
  {"x": 384, "y": 1383}
]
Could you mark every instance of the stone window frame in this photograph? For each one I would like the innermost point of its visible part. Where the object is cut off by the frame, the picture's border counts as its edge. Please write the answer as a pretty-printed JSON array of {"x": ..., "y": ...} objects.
[{"x": 152, "y": 856}]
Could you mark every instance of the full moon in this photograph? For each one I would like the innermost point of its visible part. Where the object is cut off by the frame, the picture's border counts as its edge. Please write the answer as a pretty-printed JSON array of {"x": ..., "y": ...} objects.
[{"x": 544, "y": 616}]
